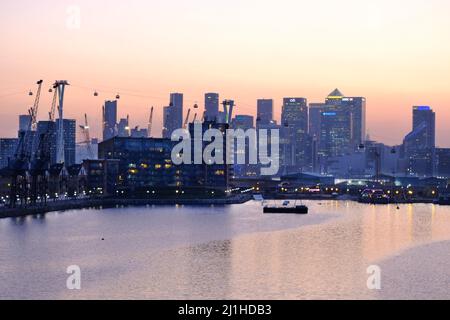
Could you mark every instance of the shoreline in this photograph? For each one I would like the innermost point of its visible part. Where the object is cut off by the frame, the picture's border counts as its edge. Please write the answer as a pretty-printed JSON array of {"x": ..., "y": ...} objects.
[
  {"x": 66, "y": 205},
  {"x": 57, "y": 206}
]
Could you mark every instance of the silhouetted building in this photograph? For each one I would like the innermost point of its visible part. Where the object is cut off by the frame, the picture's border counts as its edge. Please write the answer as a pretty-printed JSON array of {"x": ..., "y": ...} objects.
[
  {"x": 335, "y": 135},
  {"x": 209, "y": 175},
  {"x": 421, "y": 115},
  {"x": 28, "y": 136},
  {"x": 296, "y": 153},
  {"x": 50, "y": 129},
  {"x": 24, "y": 122},
  {"x": 173, "y": 115},
  {"x": 70, "y": 136},
  {"x": 356, "y": 109},
  {"x": 211, "y": 106},
  {"x": 142, "y": 161},
  {"x": 8, "y": 149},
  {"x": 443, "y": 162},
  {"x": 315, "y": 115},
  {"x": 102, "y": 177},
  {"x": 419, "y": 145},
  {"x": 244, "y": 123},
  {"x": 123, "y": 128},
  {"x": 264, "y": 112},
  {"x": 139, "y": 133},
  {"x": 110, "y": 120}
]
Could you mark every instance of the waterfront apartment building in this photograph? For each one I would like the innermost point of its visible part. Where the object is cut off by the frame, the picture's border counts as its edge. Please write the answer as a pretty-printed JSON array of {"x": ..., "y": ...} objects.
[
  {"x": 208, "y": 175},
  {"x": 142, "y": 161},
  {"x": 147, "y": 163}
]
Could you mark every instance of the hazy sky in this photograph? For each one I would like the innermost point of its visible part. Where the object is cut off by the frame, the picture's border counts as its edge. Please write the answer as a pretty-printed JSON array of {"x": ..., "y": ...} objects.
[{"x": 395, "y": 53}]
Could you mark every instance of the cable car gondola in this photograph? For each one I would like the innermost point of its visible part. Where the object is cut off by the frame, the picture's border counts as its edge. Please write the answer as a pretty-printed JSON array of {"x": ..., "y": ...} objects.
[
  {"x": 95, "y": 94},
  {"x": 30, "y": 93}
]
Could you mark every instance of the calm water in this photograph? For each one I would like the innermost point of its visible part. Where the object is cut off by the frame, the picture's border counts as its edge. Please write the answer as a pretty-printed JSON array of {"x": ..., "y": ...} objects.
[{"x": 232, "y": 252}]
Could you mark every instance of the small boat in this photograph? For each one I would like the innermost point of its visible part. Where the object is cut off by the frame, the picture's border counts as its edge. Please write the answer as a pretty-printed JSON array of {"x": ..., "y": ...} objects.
[{"x": 286, "y": 209}]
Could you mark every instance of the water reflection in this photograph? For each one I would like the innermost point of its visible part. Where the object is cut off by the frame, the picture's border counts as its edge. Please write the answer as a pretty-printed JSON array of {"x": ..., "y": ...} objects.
[{"x": 231, "y": 252}]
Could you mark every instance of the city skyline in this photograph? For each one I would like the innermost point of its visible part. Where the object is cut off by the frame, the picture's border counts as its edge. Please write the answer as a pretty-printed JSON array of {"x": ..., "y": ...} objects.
[{"x": 396, "y": 57}]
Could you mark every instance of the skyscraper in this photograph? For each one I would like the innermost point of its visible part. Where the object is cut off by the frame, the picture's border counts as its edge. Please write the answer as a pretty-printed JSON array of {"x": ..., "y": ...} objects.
[
  {"x": 296, "y": 143},
  {"x": 69, "y": 131},
  {"x": 173, "y": 115},
  {"x": 211, "y": 106},
  {"x": 110, "y": 120},
  {"x": 315, "y": 114},
  {"x": 176, "y": 101},
  {"x": 356, "y": 108},
  {"x": 425, "y": 115},
  {"x": 264, "y": 112},
  {"x": 419, "y": 145},
  {"x": 335, "y": 131}
]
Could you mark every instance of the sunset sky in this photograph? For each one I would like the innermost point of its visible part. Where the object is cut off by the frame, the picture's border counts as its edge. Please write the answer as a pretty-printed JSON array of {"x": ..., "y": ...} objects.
[{"x": 395, "y": 53}]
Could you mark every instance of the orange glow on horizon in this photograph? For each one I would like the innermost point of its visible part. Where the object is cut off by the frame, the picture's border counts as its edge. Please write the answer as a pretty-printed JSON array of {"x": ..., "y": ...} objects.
[{"x": 396, "y": 54}]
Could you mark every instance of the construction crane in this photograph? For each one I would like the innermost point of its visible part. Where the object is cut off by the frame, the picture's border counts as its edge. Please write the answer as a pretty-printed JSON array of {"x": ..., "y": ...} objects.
[
  {"x": 34, "y": 110},
  {"x": 51, "y": 114},
  {"x": 87, "y": 137},
  {"x": 23, "y": 150},
  {"x": 150, "y": 123},
  {"x": 187, "y": 119}
]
